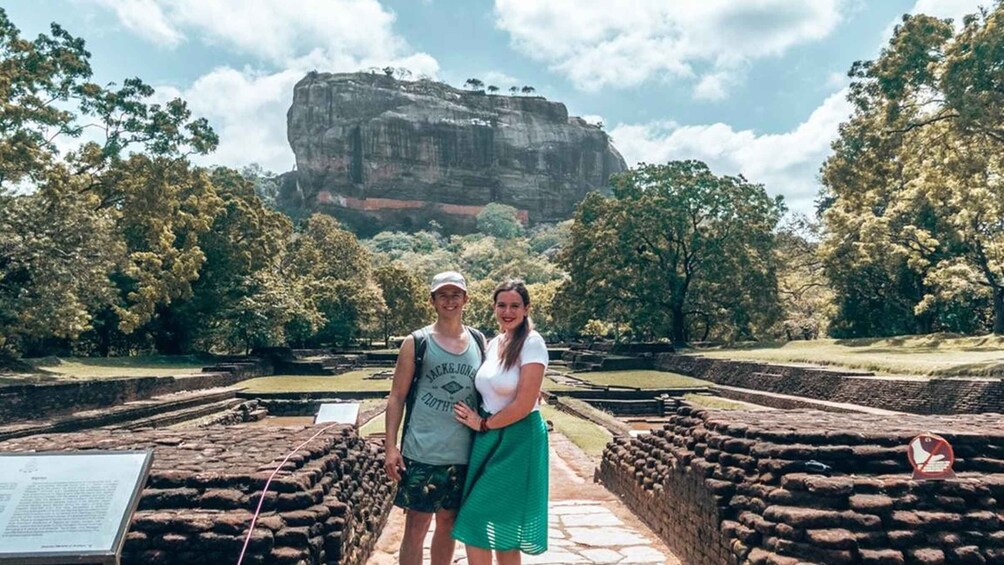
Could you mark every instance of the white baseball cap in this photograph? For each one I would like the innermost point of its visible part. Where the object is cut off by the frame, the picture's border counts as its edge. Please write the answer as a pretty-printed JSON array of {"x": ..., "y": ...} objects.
[{"x": 448, "y": 278}]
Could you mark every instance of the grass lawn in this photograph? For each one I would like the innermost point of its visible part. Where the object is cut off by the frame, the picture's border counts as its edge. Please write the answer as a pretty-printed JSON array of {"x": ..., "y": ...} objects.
[
  {"x": 346, "y": 382},
  {"x": 640, "y": 379},
  {"x": 932, "y": 355},
  {"x": 590, "y": 437},
  {"x": 713, "y": 402},
  {"x": 374, "y": 426},
  {"x": 138, "y": 366}
]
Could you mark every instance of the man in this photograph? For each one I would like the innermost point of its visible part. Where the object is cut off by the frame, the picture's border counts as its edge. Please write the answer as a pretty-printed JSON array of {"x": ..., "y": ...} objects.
[{"x": 431, "y": 464}]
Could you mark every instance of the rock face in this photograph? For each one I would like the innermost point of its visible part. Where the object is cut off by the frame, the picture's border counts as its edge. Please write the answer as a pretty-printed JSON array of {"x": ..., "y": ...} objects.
[{"x": 381, "y": 153}]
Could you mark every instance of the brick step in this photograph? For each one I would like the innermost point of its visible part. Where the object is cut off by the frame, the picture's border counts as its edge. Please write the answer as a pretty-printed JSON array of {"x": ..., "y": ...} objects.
[
  {"x": 109, "y": 416},
  {"x": 790, "y": 402},
  {"x": 181, "y": 415}
]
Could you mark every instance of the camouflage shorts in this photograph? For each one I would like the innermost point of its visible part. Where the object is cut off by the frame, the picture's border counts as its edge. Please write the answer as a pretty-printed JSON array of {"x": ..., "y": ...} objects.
[{"x": 429, "y": 488}]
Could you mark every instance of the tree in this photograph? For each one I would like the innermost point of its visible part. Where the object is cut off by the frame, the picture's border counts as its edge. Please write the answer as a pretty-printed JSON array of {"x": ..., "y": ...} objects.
[
  {"x": 499, "y": 220},
  {"x": 528, "y": 90},
  {"x": 243, "y": 251},
  {"x": 513, "y": 90},
  {"x": 406, "y": 297},
  {"x": 677, "y": 244},
  {"x": 547, "y": 239},
  {"x": 266, "y": 184},
  {"x": 931, "y": 103},
  {"x": 92, "y": 189},
  {"x": 492, "y": 89},
  {"x": 337, "y": 276},
  {"x": 474, "y": 84},
  {"x": 388, "y": 71},
  {"x": 805, "y": 293},
  {"x": 485, "y": 257},
  {"x": 164, "y": 208},
  {"x": 57, "y": 257}
]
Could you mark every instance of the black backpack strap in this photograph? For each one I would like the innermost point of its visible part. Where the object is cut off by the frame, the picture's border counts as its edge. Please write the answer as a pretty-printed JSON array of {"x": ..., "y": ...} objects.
[
  {"x": 421, "y": 338},
  {"x": 479, "y": 338}
]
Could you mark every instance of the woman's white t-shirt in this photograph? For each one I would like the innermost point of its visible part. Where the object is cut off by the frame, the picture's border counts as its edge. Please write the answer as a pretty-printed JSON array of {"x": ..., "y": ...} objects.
[{"x": 498, "y": 386}]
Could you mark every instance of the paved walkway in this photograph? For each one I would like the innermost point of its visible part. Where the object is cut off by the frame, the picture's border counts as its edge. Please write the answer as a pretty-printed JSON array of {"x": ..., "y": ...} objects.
[{"x": 587, "y": 523}]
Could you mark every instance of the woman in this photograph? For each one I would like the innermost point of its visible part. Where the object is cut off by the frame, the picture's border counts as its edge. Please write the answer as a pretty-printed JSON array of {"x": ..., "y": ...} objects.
[{"x": 505, "y": 494}]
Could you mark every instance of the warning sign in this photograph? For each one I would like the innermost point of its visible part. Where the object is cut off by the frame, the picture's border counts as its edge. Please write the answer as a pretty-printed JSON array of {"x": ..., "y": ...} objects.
[{"x": 931, "y": 457}]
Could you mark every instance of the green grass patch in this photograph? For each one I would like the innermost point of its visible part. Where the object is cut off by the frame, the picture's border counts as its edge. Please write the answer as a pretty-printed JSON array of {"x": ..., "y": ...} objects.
[
  {"x": 346, "y": 382},
  {"x": 640, "y": 379},
  {"x": 606, "y": 419},
  {"x": 591, "y": 438},
  {"x": 374, "y": 426},
  {"x": 105, "y": 367},
  {"x": 713, "y": 402},
  {"x": 942, "y": 355}
]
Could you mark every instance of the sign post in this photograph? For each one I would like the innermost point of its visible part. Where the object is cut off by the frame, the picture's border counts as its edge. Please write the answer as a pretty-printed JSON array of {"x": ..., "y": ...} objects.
[
  {"x": 931, "y": 456},
  {"x": 68, "y": 507}
]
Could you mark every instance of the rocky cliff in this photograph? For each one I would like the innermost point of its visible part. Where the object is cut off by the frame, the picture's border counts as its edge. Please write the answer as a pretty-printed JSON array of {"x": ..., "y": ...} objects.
[{"x": 386, "y": 154}]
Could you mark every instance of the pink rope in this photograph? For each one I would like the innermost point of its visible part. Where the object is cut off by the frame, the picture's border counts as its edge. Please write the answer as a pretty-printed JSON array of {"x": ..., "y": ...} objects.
[{"x": 261, "y": 500}]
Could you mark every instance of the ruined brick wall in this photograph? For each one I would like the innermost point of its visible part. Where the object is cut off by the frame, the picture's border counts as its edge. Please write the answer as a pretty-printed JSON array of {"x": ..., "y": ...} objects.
[
  {"x": 29, "y": 401},
  {"x": 919, "y": 396},
  {"x": 734, "y": 487},
  {"x": 326, "y": 506}
]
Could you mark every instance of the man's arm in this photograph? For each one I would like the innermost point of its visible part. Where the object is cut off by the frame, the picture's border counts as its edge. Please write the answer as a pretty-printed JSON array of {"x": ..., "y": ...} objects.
[{"x": 404, "y": 372}]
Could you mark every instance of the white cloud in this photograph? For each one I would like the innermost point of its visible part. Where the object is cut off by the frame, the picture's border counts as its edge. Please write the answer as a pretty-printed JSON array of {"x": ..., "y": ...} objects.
[
  {"x": 713, "y": 87},
  {"x": 954, "y": 9},
  {"x": 835, "y": 80},
  {"x": 500, "y": 79},
  {"x": 270, "y": 30},
  {"x": 247, "y": 107},
  {"x": 145, "y": 18},
  {"x": 786, "y": 163},
  {"x": 597, "y": 43}
]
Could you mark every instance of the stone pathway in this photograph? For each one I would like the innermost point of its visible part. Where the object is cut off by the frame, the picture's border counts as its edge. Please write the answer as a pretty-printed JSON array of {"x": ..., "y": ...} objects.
[{"x": 587, "y": 524}]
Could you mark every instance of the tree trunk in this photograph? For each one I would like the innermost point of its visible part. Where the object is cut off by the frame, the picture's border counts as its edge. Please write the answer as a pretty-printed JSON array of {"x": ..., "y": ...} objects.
[
  {"x": 679, "y": 325},
  {"x": 999, "y": 310}
]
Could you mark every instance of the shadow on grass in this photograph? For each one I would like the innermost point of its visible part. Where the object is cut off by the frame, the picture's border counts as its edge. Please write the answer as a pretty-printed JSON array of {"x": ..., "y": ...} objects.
[
  {"x": 987, "y": 369},
  {"x": 142, "y": 361},
  {"x": 931, "y": 341}
]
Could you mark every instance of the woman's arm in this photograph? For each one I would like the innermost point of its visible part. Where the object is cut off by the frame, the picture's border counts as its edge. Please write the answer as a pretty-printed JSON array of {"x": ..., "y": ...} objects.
[{"x": 531, "y": 378}]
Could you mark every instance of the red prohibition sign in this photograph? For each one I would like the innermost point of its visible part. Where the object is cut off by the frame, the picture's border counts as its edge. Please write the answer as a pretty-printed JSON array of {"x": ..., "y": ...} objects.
[{"x": 931, "y": 456}]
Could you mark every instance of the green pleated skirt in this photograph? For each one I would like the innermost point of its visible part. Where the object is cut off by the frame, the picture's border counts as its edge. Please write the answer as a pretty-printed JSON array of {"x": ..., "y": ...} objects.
[{"x": 505, "y": 495}]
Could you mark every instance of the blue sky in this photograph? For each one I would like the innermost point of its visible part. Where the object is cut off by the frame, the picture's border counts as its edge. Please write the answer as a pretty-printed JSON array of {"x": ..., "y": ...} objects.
[{"x": 749, "y": 86}]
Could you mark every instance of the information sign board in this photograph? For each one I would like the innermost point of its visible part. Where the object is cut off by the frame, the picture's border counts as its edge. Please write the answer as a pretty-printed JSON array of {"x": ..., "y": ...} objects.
[
  {"x": 338, "y": 412},
  {"x": 68, "y": 507}
]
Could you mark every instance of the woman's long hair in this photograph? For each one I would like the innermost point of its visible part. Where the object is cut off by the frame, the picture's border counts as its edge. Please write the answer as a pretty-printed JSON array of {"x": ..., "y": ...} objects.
[{"x": 510, "y": 352}]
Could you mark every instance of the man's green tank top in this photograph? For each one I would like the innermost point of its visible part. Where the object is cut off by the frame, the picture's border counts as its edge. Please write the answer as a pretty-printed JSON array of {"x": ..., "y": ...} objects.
[{"x": 434, "y": 435}]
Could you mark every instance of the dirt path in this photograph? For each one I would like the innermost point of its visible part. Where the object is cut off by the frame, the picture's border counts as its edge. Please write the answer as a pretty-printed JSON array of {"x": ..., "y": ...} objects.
[{"x": 587, "y": 523}]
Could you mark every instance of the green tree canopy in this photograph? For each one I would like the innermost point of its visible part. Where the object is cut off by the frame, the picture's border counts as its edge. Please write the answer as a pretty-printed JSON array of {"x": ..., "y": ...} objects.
[
  {"x": 677, "y": 251},
  {"x": 336, "y": 271},
  {"x": 406, "y": 296},
  {"x": 500, "y": 220},
  {"x": 913, "y": 190}
]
